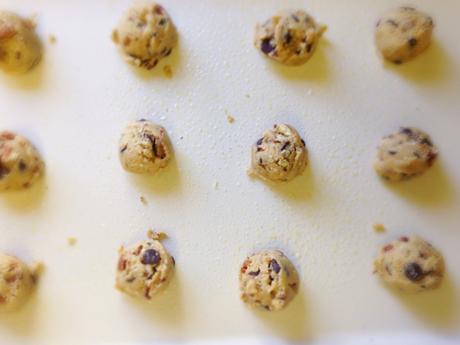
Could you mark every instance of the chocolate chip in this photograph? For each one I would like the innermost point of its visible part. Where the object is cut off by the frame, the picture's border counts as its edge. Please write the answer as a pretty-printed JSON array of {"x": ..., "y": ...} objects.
[
  {"x": 151, "y": 257},
  {"x": 391, "y": 152},
  {"x": 404, "y": 239},
  {"x": 266, "y": 46},
  {"x": 162, "y": 21},
  {"x": 22, "y": 166},
  {"x": 121, "y": 263},
  {"x": 141, "y": 120},
  {"x": 431, "y": 157},
  {"x": 392, "y": 22},
  {"x": 426, "y": 141},
  {"x": 168, "y": 52},
  {"x": 18, "y": 55},
  {"x": 287, "y": 38},
  {"x": 275, "y": 266},
  {"x": 285, "y": 145},
  {"x": 309, "y": 47},
  {"x": 405, "y": 130},
  {"x": 414, "y": 272},
  {"x": 417, "y": 155},
  {"x": 387, "y": 248},
  {"x": 254, "y": 273},
  {"x": 123, "y": 149},
  {"x": 131, "y": 279},
  {"x": 259, "y": 142},
  {"x": 295, "y": 18},
  {"x": 303, "y": 142},
  {"x": 412, "y": 42},
  {"x": 378, "y": 23},
  {"x": 397, "y": 62},
  {"x": 3, "y": 170}
]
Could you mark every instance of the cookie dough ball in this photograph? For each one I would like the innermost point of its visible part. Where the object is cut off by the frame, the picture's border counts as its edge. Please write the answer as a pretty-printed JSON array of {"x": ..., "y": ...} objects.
[
  {"x": 410, "y": 264},
  {"x": 290, "y": 37},
  {"x": 145, "y": 34},
  {"x": 403, "y": 33},
  {"x": 144, "y": 148},
  {"x": 20, "y": 47},
  {"x": 16, "y": 283},
  {"x": 280, "y": 155},
  {"x": 20, "y": 162},
  {"x": 405, "y": 154},
  {"x": 145, "y": 268},
  {"x": 268, "y": 280}
]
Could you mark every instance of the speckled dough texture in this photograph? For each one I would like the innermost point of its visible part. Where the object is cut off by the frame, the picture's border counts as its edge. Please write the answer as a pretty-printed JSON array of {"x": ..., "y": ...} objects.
[
  {"x": 20, "y": 162},
  {"x": 268, "y": 280},
  {"x": 145, "y": 268},
  {"x": 410, "y": 264},
  {"x": 403, "y": 33},
  {"x": 145, "y": 34},
  {"x": 279, "y": 155},
  {"x": 144, "y": 148},
  {"x": 290, "y": 37},
  {"x": 404, "y": 154},
  {"x": 20, "y": 47},
  {"x": 16, "y": 283}
]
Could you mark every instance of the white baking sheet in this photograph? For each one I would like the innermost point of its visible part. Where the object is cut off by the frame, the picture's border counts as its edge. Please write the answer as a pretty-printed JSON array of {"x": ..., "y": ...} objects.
[{"x": 77, "y": 101}]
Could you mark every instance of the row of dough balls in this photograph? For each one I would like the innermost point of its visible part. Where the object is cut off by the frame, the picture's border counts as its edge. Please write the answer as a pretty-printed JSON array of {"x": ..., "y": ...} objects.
[
  {"x": 279, "y": 155},
  {"x": 268, "y": 279},
  {"x": 146, "y": 34}
]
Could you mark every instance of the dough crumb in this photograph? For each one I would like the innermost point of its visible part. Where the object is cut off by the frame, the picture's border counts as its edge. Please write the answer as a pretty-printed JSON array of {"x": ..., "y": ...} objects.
[
  {"x": 71, "y": 241},
  {"x": 379, "y": 227},
  {"x": 143, "y": 200},
  {"x": 230, "y": 119},
  {"x": 158, "y": 236},
  {"x": 51, "y": 39},
  {"x": 167, "y": 70}
]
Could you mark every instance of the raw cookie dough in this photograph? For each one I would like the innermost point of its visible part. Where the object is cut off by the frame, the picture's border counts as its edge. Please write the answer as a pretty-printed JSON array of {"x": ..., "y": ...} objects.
[
  {"x": 410, "y": 264},
  {"x": 404, "y": 154},
  {"x": 144, "y": 147},
  {"x": 403, "y": 33},
  {"x": 16, "y": 283},
  {"x": 280, "y": 155},
  {"x": 268, "y": 280},
  {"x": 145, "y": 34},
  {"x": 145, "y": 268},
  {"x": 20, "y": 47},
  {"x": 289, "y": 37},
  {"x": 20, "y": 162}
]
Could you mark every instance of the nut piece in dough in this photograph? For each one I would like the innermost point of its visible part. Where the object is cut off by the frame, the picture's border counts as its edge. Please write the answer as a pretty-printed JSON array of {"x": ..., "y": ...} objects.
[
  {"x": 16, "y": 283},
  {"x": 403, "y": 33},
  {"x": 268, "y": 280},
  {"x": 405, "y": 154},
  {"x": 145, "y": 34},
  {"x": 280, "y": 155},
  {"x": 410, "y": 264},
  {"x": 144, "y": 148},
  {"x": 145, "y": 268},
  {"x": 290, "y": 37},
  {"x": 20, "y": 162},
  {"x": 20, "y": 47}
]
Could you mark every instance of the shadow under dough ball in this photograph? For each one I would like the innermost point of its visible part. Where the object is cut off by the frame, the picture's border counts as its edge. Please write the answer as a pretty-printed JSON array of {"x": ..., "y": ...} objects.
[
  {"x": 145, "y": 34},
  {"x": 20, "y": 163},
  {"x": 403, "y": 33},
  {"x": 290, "y": 37},
  {"x": 279, "y": 155},
  {"x": 144, "y": 148},
  {"x": 404, "y": 154},
  {"x": 145, "y": 268},
  {"x": 268, "y": 280},
  {"x": 20, "y": 47},
  {"x": 410, "y": 264},
  {"x": 16, "y": 283}
]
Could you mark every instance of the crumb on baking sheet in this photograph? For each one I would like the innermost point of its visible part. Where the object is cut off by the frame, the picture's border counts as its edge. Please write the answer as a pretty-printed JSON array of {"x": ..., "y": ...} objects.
[
  {"x": 230, "y": 119},
  {"x": 154, "y": 235},
  {"x": 71, "y": 241},
  {"x": 216, "y": 185},
  {"x": 167, "y": 70},
  {"x": 143, "y": 200},
  {"x": 51, "y": 39},
  {"x": 379, "y": 227}
]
